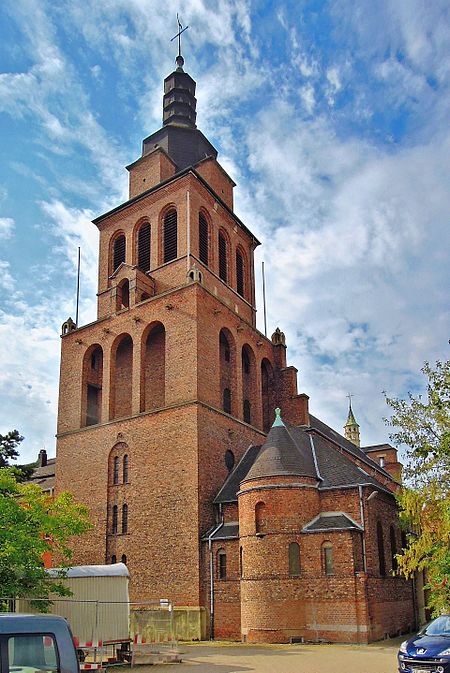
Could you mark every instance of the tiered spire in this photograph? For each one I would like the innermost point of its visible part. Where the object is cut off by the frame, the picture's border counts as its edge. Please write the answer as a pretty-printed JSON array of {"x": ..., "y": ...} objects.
[{"x": 351, "y": 427}]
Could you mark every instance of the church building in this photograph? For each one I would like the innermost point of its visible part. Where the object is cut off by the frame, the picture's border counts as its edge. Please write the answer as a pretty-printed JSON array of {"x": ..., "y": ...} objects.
[{"x": 180, "y": 426}]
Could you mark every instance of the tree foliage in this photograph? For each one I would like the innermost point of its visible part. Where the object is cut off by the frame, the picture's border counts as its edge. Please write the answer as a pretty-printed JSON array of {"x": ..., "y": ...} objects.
[
  {"x": 423, "y": 426},
  {"x": 8, "y": 452},
  {"x": 32, "y": 523}
]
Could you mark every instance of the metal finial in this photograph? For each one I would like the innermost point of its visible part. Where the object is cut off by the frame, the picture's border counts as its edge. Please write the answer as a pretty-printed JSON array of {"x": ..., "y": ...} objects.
[
  {"x": 179, "y": 59},
  {"x": 350, "y": 395},
  {"x": 278, "y": 420}
]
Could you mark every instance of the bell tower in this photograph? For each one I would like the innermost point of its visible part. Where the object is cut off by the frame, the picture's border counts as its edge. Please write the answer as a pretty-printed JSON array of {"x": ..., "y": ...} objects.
[{"x": 171, "y": 384}]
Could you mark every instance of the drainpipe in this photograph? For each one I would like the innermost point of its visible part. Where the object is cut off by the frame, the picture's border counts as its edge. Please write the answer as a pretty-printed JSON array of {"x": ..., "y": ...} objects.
[
  {"x": 211, "y": 581},
  {"x": 361, "y": 508}
]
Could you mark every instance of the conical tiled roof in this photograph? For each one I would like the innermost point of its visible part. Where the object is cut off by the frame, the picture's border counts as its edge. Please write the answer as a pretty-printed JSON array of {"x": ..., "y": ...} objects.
[{"x": 286, "y": 452}]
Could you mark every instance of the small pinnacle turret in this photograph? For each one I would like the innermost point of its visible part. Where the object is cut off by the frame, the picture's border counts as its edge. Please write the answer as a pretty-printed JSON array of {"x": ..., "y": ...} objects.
[{"x": 351, "y": 427}]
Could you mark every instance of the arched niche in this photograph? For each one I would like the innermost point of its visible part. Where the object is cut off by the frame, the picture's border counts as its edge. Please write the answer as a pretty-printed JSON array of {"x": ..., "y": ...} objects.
[
  {"x": 153, "y": 372},
  {"x": 92, "y": 384},
  {"x": 121, "y": 376},
  {"x": 267, "y": 403},
  {"x": 248, "y": 384},
  {"x": 227, "y": 369}
]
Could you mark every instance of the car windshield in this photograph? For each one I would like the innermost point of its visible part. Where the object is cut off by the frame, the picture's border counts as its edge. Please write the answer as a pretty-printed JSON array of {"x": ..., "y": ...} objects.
[{"x": 438, "y": 627}]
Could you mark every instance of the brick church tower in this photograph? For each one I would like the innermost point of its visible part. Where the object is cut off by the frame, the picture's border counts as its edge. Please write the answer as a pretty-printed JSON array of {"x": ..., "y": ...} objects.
[
  {"x": 172, "y": 383},
  {"x": 257, "y": 531}
]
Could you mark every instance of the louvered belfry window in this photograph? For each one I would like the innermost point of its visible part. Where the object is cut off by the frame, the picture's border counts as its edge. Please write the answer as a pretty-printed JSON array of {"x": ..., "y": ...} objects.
[
  {"x": 170, "y": 236},
  {"x": 203, "y": 239},
  {"x": 144, "y": 247},
  {"x": 118, "y": 251},
  {"x": 239, "y": 273},
  {"x": 223, "y": 258}
]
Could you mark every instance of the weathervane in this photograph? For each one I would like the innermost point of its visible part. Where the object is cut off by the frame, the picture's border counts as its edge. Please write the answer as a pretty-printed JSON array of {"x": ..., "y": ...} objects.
[{"x": 179, "y": 59}]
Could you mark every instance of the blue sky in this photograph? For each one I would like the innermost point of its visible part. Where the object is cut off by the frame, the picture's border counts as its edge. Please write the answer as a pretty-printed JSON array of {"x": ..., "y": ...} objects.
[{"x": 333, "y": 119}]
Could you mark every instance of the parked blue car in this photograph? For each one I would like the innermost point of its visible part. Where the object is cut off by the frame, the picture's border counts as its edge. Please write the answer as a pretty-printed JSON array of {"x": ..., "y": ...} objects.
[{"x": 429, "y": 651}]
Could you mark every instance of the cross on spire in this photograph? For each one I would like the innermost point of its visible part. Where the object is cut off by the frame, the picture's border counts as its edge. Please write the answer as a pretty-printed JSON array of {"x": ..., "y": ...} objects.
[
  {"x": 350, "y": 395},
  {"x": 179, "y": 59}
]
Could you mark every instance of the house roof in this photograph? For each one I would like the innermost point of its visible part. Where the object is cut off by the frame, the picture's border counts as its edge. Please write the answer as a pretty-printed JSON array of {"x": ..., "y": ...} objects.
[
  {"x": 329, "y": 521},
  {"x": 377, "y": 447},
  {"x": 229, "y": 531},
  {"x": 336, "y": 469},
  {"x": 231, "y": 485},
  {"x": 320, "y": 427},
  {"x": 286, "y": 452},
  {"x": 44, "y": 475},
  {"x": 304, "y": 451}
]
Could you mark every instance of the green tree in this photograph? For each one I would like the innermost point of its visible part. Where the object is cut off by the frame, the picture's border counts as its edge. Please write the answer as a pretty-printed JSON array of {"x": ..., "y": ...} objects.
[
  {"x": 32, "y": 523},
  {"x": 8, "y": 447},
  {"x": 422, "y": 425},
  {"x": 8, "y": 452}
]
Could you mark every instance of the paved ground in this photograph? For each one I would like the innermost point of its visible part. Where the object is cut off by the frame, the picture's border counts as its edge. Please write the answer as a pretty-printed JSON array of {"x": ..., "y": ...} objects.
[{"x": 237, "y": 658}]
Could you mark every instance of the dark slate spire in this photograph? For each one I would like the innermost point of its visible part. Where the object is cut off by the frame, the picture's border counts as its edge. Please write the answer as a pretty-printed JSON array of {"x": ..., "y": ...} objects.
[
  {"x": 286, "y": 452},
  {"x": 179, "y": 136},
  {"x": 179, "y": 102}
]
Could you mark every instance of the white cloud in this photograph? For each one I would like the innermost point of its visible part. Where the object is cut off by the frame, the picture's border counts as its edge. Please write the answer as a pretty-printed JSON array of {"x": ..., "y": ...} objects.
[
  {"x": 355, "y": 239},
  {"x": 308, "y": 98},
  {"x": 7, "y": 225},
  {"x": 6, "y": 280}
]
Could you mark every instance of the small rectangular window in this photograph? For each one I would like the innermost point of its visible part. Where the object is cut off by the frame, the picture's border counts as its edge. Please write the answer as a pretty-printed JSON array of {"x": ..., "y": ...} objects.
[
  {"x": 328, "y": 558},
  {"x": 31, "y": 652},
  {"x": 222, "y": 565}
]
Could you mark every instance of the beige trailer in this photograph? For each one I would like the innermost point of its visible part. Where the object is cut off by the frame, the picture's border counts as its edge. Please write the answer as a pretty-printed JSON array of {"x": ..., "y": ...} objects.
[{"x": 98, "y": 610}]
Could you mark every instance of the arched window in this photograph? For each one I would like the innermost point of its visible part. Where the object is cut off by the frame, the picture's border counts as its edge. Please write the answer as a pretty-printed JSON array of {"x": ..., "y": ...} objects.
[
  {"x": 227, "y": 372},
  {"x": 116, "y": 470},
  {"x": 393, "y": 548},
  {"x": 124, "y": 559},
  {"x": 294, "y": 559},
  {"x": 224, "y": 347},
  {"x": 221, "y": 564},
  {"x": 380, "y": 542},
  {"x": 121, "y": 378},
  {"x": 119, "y": 247},
  {"x": 113, "y": 558},
  {"x": 170, "y": 234},
  {"x": 123, "y": 295},
  {"x": 328, "y": 563},
  {"x": 229, "y": 459},
  {"x": 153, "y": 376},
  {"x": 203, "y": 239},
  {"x": 223, "y": 258},
  {"x": 143, "y": 247},
  {"x": 125, "y": 469},
  {"x": 240, "y": 273},
  {"x": 226, "y": 402},
  {"x": 247, "y": 411},
  {"x": 260, "y": 517},
  {"x": 125, "y": 518},
  {"x": 114, "y": 519},
  {"x": 245, "y": 362},
  {"x": 92, "y": 386},
  {"x": 241, "y": 562}
]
